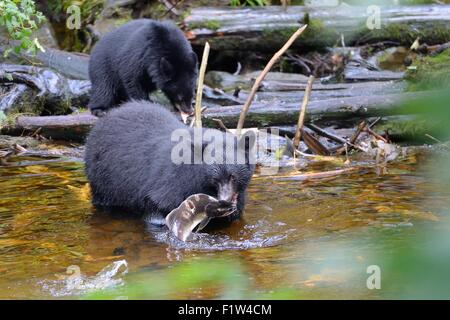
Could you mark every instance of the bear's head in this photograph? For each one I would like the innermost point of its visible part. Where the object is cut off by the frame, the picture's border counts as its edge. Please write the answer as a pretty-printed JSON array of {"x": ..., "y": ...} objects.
[
  {"x": 180, "y": 78},
  {"x": 229, "y": 173}
]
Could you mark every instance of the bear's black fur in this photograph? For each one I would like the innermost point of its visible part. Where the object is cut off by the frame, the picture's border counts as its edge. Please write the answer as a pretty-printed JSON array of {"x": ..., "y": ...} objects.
[
  {"x": 137, "y": 58},
  {"x": 129, "y": 163}
]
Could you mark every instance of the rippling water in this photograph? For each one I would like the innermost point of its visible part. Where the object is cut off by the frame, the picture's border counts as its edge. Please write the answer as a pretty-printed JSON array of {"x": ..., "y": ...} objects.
[{"x": 289, "y": 236}]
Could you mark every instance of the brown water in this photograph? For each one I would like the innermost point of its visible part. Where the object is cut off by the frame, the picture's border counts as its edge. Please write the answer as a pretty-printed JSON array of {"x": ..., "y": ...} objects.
[{"x": 291, "y": 236}]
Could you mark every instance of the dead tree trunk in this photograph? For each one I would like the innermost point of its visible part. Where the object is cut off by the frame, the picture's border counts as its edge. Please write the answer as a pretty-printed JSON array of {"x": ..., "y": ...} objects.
[{"x": 267, "y": 28}]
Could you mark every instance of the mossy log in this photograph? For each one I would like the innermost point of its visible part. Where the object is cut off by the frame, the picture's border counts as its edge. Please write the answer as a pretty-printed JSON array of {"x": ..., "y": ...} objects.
[
  {"x": 266, "y": 29},
  {"x": 320, "y": 111},
  {"x": 76, "y": 127},
  {"x": 69, "y": 128}
]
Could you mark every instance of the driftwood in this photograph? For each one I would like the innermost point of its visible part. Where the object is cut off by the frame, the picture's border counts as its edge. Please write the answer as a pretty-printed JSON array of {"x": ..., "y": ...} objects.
[{"x": 266, "y": 29}]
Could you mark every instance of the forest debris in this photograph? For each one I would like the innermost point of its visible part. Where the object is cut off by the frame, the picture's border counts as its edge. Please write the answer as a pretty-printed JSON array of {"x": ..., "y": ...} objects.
[
  {"x": 327, "y": 134},
  {"x": 260, "y": 78},
  {"x": 172, "y": 8},
  {"x": 385, "y": 152},
  {"x": 301, "y": 118},
  {"x": 376, "y": 135},
  {"x": 434, "y": 49},
  {"x": 13, "y": 150},
  {"x": 353, "y": 138},
  {"x": 51, "y": 91},
  {"x": 314, "y": 145}
]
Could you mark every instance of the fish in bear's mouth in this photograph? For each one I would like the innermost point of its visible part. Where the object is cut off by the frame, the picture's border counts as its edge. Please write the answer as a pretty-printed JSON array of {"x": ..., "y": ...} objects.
[{"x": 184, "y": 115}]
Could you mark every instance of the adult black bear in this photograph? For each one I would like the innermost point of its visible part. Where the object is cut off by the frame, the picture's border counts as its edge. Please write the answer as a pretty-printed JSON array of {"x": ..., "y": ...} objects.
[
  {"x": 139, "y": 157},
  {"x": 137, "y": 58}
]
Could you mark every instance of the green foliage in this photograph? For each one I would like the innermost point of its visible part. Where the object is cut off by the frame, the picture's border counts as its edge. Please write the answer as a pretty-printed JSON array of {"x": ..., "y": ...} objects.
[
  {"x": 430, "y": 72},
  {"x": 225, "y": 278},
  {"x": 252, "y": 3},
  {"x": 20, "y": 18},
  {"x": 209, "y": 24}
]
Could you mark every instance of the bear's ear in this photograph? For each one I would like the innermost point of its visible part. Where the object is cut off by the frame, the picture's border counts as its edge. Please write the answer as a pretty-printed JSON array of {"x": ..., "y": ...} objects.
[{"x": 166, "y": 69}]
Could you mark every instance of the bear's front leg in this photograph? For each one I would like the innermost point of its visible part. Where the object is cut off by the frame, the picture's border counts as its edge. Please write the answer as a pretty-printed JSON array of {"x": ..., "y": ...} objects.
[{"x": 135, "y": 89}]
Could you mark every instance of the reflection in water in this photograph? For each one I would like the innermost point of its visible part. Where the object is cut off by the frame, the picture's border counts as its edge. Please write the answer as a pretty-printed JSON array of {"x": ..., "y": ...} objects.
[{"x": 290, "y": 235}]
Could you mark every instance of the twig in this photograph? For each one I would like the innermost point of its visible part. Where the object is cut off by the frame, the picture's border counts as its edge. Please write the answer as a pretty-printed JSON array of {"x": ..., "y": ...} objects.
[
  {"x": 433, "y": 138},
  {"x": 18, "y": 149},
  {"x": 261, "y": 77},
  {"x": 301, "y": 117},
  {"x": 201, "y": 77},
  {"x": 353, "y": 138},
  {"x": 326, "y": 134},
  {"x": 170, "y": 7},
  {"x": 333, "y": 137},
  {"x": 376, "y": 135},
  {"x": 222, "y": 125},
  {"x": 374, "y": 122}
]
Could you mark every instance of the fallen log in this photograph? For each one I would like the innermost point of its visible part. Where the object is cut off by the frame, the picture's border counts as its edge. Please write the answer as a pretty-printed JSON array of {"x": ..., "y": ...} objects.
[
  {"x": 266, "y": 29},
  {"x": 37, "y": 90},
  {"x": 71, "y": 65},
  {"x": 320, "y": 111},
  {"x": 68, "y": 128},
  {"x": 75, "y": 127}
]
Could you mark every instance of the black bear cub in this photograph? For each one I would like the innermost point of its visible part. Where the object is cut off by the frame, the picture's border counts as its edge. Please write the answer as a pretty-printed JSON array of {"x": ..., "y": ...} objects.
[
  {"x": 141, "y": 158},
  {"x": 140, "y": 57}
]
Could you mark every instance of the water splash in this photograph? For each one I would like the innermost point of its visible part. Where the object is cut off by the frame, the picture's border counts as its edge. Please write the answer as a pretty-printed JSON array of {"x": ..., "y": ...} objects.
[
  {"x": 74, "y": 283},
  {"x": 256, "y": 235}
]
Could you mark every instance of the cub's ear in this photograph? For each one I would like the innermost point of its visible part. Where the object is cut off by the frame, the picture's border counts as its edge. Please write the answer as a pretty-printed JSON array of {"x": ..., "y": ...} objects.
[
  {"x": 166, "y": 68},
  {"x": 194, "y": 59}
]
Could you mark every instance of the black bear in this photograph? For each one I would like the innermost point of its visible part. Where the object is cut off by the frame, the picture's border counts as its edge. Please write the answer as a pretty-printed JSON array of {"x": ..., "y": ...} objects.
[
  {"x": 141, "y": 158},
  {"x": 140, "y": 57}
]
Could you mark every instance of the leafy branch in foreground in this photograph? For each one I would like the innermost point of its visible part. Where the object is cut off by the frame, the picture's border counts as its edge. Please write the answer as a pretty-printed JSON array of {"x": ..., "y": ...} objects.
[{"x": 20, "y": 18}]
